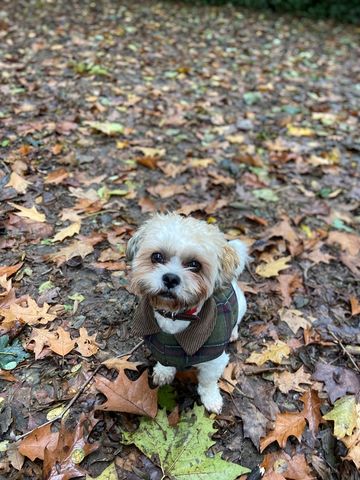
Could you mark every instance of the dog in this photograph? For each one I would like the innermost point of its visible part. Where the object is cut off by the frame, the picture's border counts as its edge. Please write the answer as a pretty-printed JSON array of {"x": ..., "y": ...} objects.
[{"x": 185, "y": 273}]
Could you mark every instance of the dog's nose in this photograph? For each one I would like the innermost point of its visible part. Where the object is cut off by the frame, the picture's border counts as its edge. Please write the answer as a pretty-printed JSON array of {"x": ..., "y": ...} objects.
[{"x": 171, "y": 280}]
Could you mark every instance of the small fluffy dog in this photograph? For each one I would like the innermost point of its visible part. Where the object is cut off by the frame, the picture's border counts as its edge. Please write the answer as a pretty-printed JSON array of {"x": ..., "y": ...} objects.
[{"x": 185, "y": 273}]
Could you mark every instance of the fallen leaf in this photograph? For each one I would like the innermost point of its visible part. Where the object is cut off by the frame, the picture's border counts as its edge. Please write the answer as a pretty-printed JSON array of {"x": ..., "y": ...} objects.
[
  {"x": 5, "y": 286},
  {"x": 33, "y": 445},
  {"x": 62, "y": 459},
  {"x": 108, "y": 128},
  {"x": 122, "y": 363},
  {"x": 166, "y": 191},
  {"x": 344, "y": 416},
  {"x": 286, "y": 381},
  {"x": 284, "y": 230},
  {"x": 148, "y": 162},
  {"x": 275, "y": 353},
  {"x": 18, "y": 183},
  {"x": 300, "y": 131},
  {"x": 69, "y": 231},
  {"x": 347, "y": 241},
  {"x": 273, "y": 268},
  {"x": 152, "y": 152},
  {"x": 124, "y": 395},
  {"x": 317, "y": 256},
  {"x": 338, "y": 380},
  {"x": 355, "y": 305},
  {"x": 288, "y": 285},
  {"x": 77, "y": 248},
  {"x": 109, "y": 473},
  {"x": 10, "y": 270},
  {"x": 311, "y": 412},
  {"x": 294, "y": 318},
  {"x": 61, "y": 342},
  {"x": 30, "y": 213},
  {"x": 181, "y": 450},
  {"x": 86, "y": 344},
  {"x": 57, "y": 176},
  {"x": 32, "y": 314},
  {"x": 291, "y": 468},
  {"x": 352, "y": 442},
  {"x": 228, "y": 381},
  {"x": 286, "y": 424},
  {"x": 265, "y": 194}
]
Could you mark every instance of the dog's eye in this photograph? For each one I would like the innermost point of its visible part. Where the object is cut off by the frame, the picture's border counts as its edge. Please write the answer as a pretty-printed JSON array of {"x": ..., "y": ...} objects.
[
  {"x": 194, "y": 266},
  {"x": 157, "y": 257}
]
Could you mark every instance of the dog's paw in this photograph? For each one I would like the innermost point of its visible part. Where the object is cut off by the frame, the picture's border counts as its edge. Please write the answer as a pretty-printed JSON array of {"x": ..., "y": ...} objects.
[
  {"x": 211, "y": 398},
  {"x": 234, "y": 334},
  {"x": 163, "y": 375}
]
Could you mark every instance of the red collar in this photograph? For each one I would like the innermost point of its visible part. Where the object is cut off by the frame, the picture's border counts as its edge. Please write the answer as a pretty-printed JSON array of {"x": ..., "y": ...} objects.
[{"x": 187, "y": 315}]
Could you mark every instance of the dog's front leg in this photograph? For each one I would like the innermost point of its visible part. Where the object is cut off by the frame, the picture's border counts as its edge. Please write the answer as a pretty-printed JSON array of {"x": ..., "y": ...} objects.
[
  {"x": 208, "y": 389},
  {"x": 163, "y": 375}
]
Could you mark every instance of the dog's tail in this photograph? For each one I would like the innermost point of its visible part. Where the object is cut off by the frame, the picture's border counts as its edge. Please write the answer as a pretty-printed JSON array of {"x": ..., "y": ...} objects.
[{"x": 242, "y": 250}]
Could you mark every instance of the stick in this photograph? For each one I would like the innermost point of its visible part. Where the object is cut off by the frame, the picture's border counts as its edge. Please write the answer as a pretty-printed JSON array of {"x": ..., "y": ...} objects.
[
  {"x": 347, "y": 353},
  {"x": 82, "y": 388}
]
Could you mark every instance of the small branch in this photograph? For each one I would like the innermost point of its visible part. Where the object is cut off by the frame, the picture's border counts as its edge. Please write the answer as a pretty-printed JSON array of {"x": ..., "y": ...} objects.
[
  {"x": 347, "y": 353},
  {"x": 82, "y": 388}
]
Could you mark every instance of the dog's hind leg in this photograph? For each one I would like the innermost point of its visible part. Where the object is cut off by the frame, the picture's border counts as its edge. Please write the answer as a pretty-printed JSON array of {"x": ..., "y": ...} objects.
[{"x": 208, "y": 389}]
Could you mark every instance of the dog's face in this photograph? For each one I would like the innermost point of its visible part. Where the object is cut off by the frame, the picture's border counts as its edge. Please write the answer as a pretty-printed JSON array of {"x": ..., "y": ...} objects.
[{"x": 177, "y": 262}]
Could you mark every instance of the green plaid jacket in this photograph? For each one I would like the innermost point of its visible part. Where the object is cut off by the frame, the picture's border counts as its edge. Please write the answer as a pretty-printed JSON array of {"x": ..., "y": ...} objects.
[{"x": 167, "y": 350}]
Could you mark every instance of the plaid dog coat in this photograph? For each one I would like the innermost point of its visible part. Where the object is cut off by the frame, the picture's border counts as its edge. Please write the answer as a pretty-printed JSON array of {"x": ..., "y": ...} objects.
[{"x": 204, "y": 339}]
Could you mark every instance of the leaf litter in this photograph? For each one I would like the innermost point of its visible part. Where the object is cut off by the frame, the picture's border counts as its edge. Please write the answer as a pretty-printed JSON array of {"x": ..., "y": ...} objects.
[{"x": 203, "y": 125}]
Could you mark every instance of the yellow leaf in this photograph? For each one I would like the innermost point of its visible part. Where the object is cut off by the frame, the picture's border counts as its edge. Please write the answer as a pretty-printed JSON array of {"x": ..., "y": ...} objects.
[
  {"x": 152, "y": 152},
  {"x": 30, "y": 213},
  {"x": 273, "y": 268},
  {"x": 274, "y": 353},
  {"x": 108, "y": 474},
  {"x": 294, "y": 318},
  {"x": 344, "y": 416},
  {"x": 239, "y": 138},
  {"x": 300, "y": 131},
  {"x": 69, "y": 231},
  {"x": 18, "y": 182}
]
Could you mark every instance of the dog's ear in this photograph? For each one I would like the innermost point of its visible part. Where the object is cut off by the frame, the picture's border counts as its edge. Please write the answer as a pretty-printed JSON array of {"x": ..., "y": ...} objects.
[
  {"x": 133, "y": 245},
  {"x": 229, "y": 263}
]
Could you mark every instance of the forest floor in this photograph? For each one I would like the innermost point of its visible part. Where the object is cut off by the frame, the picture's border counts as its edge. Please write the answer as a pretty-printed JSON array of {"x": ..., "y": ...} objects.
[{"x": 112, "y": 110}]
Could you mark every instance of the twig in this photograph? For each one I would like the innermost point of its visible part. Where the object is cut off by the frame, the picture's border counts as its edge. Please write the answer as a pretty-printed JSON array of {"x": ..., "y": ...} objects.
[
  {"x": 82, "y": 388},
  {"x": 347, "y": 353}
]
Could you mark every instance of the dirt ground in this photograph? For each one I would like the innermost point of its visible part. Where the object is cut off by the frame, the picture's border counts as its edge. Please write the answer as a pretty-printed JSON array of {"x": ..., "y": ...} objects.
[{"x": 244, "y": 119}]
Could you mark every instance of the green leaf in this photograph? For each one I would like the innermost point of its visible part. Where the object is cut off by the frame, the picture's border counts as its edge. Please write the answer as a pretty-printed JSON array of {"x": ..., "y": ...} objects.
[
  {"x": 11, "y": 355},
  {"x": 108, "y": 474},
  {"x": 250, "y": 98},
  {"x": 77, "y": 297},
  {"x": 167, "y": 397},
  {"x": 181, "y": 451},
  {"x": 340, "y": 225},
  {"x": 344, "y": 416},
  {"x": 46, "y": 286},
  {"x": 266, "y": 194},
  {"x": 108, "y": 128}
]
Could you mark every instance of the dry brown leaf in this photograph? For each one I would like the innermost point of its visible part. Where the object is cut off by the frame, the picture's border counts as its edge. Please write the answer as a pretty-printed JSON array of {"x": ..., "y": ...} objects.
[
  {"x": 33, "y": 446},
  {"x": 18, "y": 183},
  {"x": 311, "y": 412},
  {"x": 166, "y": 191},
  {"x": 8, "y": 271},
  {"x": 30, "y": 213},
  {"x": 286, "y": 381},
  {"x": 273, "y": 268},
  {"x": 288, "y": 285},
  {"x": 228, "y": 380},
  {"x": 77, "y": 248},
  {"x": 112, "y": 266},
  {"x": 348, "y": 242},
  {"x": 147, "y": 161},
  {"x": 152, "y": 152},
  {"x": 5, "y": 286},
  {"x": 355, "y": 306},
  {"x": 218, "y": 179},
  {"x": 284, "y": 230},
  {"x": 38, "y": 340},
  {"x": 110, "y": 255},
  {"x": 147, "y": 205},
  {"x": 124, "y": 395},
  {"x": 86, "y": 344},
  {"x": 69, "y": 231},
  {"x": 32, "y": 314},
  {"x": 62, "y": 459},
  {"x": 61, "y": 342},
  {"x": 294, "y": 318},
  {"x": 317, "y": 256},
  {"x": 286, "y": 424},
  {"x": 289, "y": 468},
  {"x": 275, "y": 353},
  {"x": 192, "y": 207},
  {"x": 122, "y": 363}
]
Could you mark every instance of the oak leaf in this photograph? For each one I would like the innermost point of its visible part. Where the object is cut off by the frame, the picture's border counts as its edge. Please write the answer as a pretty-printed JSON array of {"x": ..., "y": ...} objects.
[
  {"x": 18, "y": 182},
  {"x": 338, "y": 380},
  {"x": 10, "y": 270},
  {"x": 275, "y": 353},
  {"x": 32, "y": 314},
  {"x": 61, "y": 460},
  {"x": 33, "y": 445},
  {"x": 288, "y": 285},
  {"x": 75, "y": 249},
  {"x": 68, "y": 231},
  {"x": 284, "y": 230},
  {"x": 289, "y": 468},
  {"x": 294, "y": 318},
  {"x": 61, "y": 342},
  {"x": 56, "y": 176},
  {"x": 344, "y": 415},
  {"x": 124, "y": 395},
  {"x": 30, "y": 213},
  {"x": 347, "y": 241},
  {"x": 86, "y": 344},
  {"x": 286, "y": 381},
  {"x": 311, "y": 411},
  {"x": 121, "y": 363},
  {"x": 166, "y": 191},
  {"x": 352, "y": 442},
  {"x": 273, "y": 268},
  {"x": 286, "y": 424}
]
